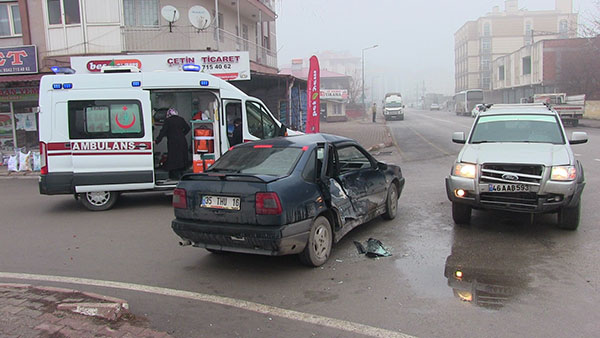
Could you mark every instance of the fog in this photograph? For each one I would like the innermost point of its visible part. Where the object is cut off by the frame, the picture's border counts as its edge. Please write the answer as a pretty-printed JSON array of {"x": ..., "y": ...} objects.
[{"x": 415, "y": 38}]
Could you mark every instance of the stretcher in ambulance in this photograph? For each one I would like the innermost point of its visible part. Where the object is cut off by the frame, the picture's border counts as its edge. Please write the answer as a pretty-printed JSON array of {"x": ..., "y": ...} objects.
[{"x": 97, "y": 130}]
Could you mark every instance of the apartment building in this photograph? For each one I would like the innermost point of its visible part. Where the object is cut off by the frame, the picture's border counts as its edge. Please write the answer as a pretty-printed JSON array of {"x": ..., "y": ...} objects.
[
  {"x": 36, "y": 35},
  {"x": 478, "y": 43}
]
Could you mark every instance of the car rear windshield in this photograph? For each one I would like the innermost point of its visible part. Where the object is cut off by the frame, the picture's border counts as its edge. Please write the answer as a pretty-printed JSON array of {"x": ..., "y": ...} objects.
[
  {"x": 259, "y": 161},
  {"x": 517, "y": 128}
]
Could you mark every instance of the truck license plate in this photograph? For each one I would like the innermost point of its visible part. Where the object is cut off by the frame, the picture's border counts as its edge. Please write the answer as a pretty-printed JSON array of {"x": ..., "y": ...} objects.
[
  {"x": 509, "y": 188},
  {"x": 220, "y": 202}
]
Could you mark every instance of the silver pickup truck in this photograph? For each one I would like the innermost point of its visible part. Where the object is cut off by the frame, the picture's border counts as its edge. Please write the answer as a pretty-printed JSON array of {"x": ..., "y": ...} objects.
[{"x": 517, "y": 158}]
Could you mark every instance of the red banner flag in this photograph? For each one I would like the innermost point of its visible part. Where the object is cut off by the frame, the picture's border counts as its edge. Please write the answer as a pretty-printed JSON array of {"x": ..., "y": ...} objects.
[{"x": 313, "y": 102}]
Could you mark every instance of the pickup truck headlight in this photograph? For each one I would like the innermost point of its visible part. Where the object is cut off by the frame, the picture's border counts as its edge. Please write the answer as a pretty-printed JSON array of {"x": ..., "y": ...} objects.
[
  {"x": 563, "y": 173},
  {"x": 466, "y": 170}
]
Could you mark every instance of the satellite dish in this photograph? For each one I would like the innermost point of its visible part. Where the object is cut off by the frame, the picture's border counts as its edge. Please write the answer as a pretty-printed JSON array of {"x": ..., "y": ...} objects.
[
  {"x": 199, "y": 17},
  {"x": 170, "y": 13}
]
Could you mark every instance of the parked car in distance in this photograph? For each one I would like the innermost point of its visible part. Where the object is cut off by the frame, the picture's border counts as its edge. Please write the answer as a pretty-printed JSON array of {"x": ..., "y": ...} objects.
[
  {"x": 288, "y": 195},
  {"x": 477, "y": 109},
  {"x": 434, "y": 106},
  {"x": 517, "y": 158}
]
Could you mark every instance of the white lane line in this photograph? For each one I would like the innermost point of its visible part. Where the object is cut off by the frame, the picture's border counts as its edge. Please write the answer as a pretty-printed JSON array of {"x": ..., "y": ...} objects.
[
  {"x": 333, "y": 323},
  {"x": 577, "y": 154},
  {"x": 597, "y": 159}
]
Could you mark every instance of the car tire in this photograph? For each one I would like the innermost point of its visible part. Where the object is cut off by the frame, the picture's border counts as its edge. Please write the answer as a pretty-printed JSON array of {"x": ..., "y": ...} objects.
[
  {"x": 391, "y": 203},
  {"x": 401, "y": 118},
  {"x": 320, "y": 241},
  {"x": 99, "y": 200},
  {"x": 568, "y": 218},
  {"x": 461, "y": 213},
  {"x": 575, "y": 123}
]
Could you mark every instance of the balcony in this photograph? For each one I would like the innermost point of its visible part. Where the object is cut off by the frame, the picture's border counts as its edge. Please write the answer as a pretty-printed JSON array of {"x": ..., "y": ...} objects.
[{"x": 155, "y": 39}]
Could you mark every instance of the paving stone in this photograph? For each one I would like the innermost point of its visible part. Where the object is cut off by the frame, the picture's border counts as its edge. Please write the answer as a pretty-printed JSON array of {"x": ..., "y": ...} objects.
[
  {"x": 49, "y": 318},
  {"x": 11, "y": 309},
  {"x": 49, "y": 328}
]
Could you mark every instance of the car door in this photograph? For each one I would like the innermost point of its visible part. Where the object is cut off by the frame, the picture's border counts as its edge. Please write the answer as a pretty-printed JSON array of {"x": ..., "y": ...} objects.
[{"x": 361, "y": 179}]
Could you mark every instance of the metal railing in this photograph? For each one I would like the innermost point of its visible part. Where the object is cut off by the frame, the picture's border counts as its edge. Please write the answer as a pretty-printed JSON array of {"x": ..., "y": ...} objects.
[{"x": 153, "y": 39}]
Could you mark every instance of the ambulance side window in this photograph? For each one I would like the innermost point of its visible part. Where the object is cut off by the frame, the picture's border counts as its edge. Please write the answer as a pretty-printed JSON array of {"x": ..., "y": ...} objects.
[
  {"x": 260, "y": 123},
  {"x": 105, "y": 119}
]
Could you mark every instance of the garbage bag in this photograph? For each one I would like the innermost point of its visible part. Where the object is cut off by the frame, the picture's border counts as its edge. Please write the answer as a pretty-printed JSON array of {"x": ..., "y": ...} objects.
[
  {"x": 12, "y": 163},
  {"x": 25, "y": 161},
  {"x": 37, "y": 162}
]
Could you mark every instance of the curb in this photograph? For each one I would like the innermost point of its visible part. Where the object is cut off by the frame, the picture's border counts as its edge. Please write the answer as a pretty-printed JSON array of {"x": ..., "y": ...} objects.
[{"x": 109, "y": 308}]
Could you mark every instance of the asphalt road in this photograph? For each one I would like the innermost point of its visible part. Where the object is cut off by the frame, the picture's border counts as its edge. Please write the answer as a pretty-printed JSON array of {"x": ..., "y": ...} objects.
[{"x": 541, "y": 281}]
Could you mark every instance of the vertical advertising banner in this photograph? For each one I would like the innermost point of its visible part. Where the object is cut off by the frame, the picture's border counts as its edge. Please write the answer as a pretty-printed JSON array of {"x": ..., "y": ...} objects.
[{"x": 313, "y": 106}]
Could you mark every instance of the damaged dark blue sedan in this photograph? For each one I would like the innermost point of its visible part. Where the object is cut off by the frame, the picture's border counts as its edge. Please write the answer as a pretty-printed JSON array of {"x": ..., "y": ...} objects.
[{"x": 288, "y": 195}]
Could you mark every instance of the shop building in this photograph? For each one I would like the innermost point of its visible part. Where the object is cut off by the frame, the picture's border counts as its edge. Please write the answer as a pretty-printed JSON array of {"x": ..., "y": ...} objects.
[{"x": 54, "y": 32}]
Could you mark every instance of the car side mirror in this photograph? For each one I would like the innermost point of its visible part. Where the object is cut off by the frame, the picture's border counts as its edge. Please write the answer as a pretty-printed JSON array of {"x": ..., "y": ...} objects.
[
  {"x": 578, "y": 137},
  {"x": 382, "y": 166},
  {"x": 458, "y": 137}
]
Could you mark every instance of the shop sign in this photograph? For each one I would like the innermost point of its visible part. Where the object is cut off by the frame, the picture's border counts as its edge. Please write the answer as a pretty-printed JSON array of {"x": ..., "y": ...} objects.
[
  {"x": 338, "y": 94},
  {"x": 19, "y": 94},
  {"x": 18, "y": 60},
  {"x": 226, "y": 65}
]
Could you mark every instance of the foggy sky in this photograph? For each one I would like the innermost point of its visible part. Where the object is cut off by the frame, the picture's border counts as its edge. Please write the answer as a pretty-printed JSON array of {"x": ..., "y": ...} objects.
[{"x": 415, "y": 38}]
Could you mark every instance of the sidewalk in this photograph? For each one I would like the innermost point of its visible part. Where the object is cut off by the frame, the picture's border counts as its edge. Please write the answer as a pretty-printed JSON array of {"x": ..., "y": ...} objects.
[
  {"x": 370, "y": 135},
  {"x": 34, "y": 311}
]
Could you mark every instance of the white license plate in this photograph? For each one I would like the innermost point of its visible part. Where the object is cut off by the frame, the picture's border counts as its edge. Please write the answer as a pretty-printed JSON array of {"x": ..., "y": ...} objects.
[
  {"x": 220, "y": 202},
  {"x": 509, "y": 188}
]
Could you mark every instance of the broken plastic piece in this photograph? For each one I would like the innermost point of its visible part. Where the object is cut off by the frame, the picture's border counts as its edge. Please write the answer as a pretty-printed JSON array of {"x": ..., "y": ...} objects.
[
  {"x": 361, "y": 249},
  {"x": 376, "y": 249}
]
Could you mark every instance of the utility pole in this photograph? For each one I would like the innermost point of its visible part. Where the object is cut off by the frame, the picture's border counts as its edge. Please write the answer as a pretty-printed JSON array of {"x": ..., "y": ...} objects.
[{"x": 363, "y": 71}]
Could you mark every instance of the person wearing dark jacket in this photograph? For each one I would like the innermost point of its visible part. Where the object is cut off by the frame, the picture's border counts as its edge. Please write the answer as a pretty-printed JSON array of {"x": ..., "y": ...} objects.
[
  {"x": 237, "y": 132},
  {"x": 175, "y": 128}
]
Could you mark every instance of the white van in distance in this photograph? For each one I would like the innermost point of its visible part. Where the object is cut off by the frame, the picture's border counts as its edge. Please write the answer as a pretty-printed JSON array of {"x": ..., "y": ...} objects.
[{"x": 97, "y": 130}]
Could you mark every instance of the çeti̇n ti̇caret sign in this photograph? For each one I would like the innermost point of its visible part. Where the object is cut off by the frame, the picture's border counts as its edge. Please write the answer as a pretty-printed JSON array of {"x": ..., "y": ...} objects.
[{"x": 18, "y": 60}]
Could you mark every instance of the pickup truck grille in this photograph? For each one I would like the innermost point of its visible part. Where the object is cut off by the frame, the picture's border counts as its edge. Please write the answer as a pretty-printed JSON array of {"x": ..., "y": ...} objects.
[
  {"x": 516, "y": 200},
  {"x": 511, "y": 173}
]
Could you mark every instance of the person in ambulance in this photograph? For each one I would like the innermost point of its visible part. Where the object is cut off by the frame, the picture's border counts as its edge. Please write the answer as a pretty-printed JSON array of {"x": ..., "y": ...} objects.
[{"x": 175, "y": 129}]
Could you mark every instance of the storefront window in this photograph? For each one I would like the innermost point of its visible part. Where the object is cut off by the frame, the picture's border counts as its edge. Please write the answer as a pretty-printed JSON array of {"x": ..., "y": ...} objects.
[
  {"x": 26, "y": 122},
  {"x": 6, "y": 129}
]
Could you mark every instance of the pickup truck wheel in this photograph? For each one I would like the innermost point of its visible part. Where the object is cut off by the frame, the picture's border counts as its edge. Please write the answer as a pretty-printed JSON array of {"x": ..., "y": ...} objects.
[
  {"x": 575, "y": 123},
  {"x": 98, "y": 200},
  {"x": 461, "y": 213},
  {"x": 391, "y": 203},
  {"x": 320, "y": 240},
  {"x": 568, "y": 218},
  {"x": 401, "y": 118}
]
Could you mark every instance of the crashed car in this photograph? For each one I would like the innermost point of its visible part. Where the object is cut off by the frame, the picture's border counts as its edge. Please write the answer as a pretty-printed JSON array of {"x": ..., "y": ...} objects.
[{"x": 288, "y": 195}]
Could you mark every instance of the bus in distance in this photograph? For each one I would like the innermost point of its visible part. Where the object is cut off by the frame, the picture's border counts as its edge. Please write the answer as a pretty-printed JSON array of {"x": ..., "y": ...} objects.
[{"x": 466, "y": 100}]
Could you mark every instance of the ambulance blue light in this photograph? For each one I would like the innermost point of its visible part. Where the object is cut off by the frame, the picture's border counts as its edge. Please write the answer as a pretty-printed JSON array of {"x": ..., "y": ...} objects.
[
  {"x": 62, "y": 70},
  {"x": 136, "y": 83},
  {"x": 204, "y": 83},
  {"x": 190, "y": 67},
  {"x": 56, "y": 86},
  {"x": 67, "y": 85}
]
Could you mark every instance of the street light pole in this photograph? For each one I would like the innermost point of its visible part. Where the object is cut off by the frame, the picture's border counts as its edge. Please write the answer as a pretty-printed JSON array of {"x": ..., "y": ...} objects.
[{"x": 363, "y": 71}]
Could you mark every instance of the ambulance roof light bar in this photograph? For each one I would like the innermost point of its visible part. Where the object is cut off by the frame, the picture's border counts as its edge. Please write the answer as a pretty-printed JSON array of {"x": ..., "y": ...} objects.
[{"x": 62, "y": 70}]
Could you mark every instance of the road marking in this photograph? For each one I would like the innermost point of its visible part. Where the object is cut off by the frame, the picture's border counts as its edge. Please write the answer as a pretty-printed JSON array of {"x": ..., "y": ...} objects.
[
  {"x": 597, "y": 159},
  {"x": 442, "y": 120},
  {"x": 333, "y": 323},
  {"x": 429, "y": 142},
  {"x": 400, "y": 152},
  {"x": 577, "y": 154}
]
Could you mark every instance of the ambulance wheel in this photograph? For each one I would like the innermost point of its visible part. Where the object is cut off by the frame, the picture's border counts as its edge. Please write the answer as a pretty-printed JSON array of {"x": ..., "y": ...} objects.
[{"x": 99, "y": 200}]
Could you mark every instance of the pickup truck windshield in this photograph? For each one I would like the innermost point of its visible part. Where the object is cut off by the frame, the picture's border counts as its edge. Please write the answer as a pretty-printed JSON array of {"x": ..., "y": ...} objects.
[
  {"x": 258, "y": 161},
  {"x": 517, "y": 128}
]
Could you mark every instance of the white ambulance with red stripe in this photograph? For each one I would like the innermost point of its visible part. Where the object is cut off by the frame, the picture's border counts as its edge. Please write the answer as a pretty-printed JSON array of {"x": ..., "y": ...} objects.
[{"x": 97, "y": 130}]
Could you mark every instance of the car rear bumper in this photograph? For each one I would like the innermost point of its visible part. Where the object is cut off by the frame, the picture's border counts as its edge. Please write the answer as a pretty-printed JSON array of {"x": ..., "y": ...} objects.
[
  {"x": 255, "y": 239},
  {"x": 555, "y": 195}
]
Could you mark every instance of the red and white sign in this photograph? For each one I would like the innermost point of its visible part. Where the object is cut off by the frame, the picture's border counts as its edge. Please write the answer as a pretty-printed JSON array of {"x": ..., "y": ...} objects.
[
  {"x": 229, "y": 66},
  {"x": 337, "y": 94},
  {"x": 313, "y": 106}
]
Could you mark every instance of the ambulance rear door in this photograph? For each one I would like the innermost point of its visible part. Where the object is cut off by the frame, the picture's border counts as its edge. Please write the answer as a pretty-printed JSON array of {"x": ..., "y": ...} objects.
[{"x": 111, "y": 139}]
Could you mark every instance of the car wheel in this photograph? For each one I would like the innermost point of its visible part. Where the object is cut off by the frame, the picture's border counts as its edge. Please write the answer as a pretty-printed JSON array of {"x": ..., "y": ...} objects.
[
  {"x": 99, "y": 200},
  {"x": 568, "y": 218},
  {"x": 575, "y": 123},
  {"x": 461, "y": 213},
  {"x": 391, "y": 203},
  {"x": 401, "y": 118},
  {"x": 319, "y": 244}
]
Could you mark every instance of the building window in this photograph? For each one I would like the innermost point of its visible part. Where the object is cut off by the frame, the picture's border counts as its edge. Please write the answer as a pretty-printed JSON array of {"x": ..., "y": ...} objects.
[
  {"x": 563, "y": 28},
  {"x": 245, "y": 36},
  {"x": 70, "y": 8},
  {"x": 141, "y": 13},
  {"x": 527, "y": 65},
  {"x": 486, "y": 45},
  {"x": 486, "y": 29},
  {"x": 501, "y": 73},
  {"x": 10, "y": 19}
]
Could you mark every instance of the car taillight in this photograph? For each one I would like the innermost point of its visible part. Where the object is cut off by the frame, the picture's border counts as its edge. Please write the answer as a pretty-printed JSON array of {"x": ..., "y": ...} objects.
[
  {"x": 179, "y": 199},
  {"x": 267, "y": 203},
  {"x": 43, "y": 158}
]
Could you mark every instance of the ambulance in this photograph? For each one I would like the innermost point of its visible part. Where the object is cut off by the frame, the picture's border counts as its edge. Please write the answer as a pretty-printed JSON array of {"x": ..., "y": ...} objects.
[{"x": 97, "y": 130}]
